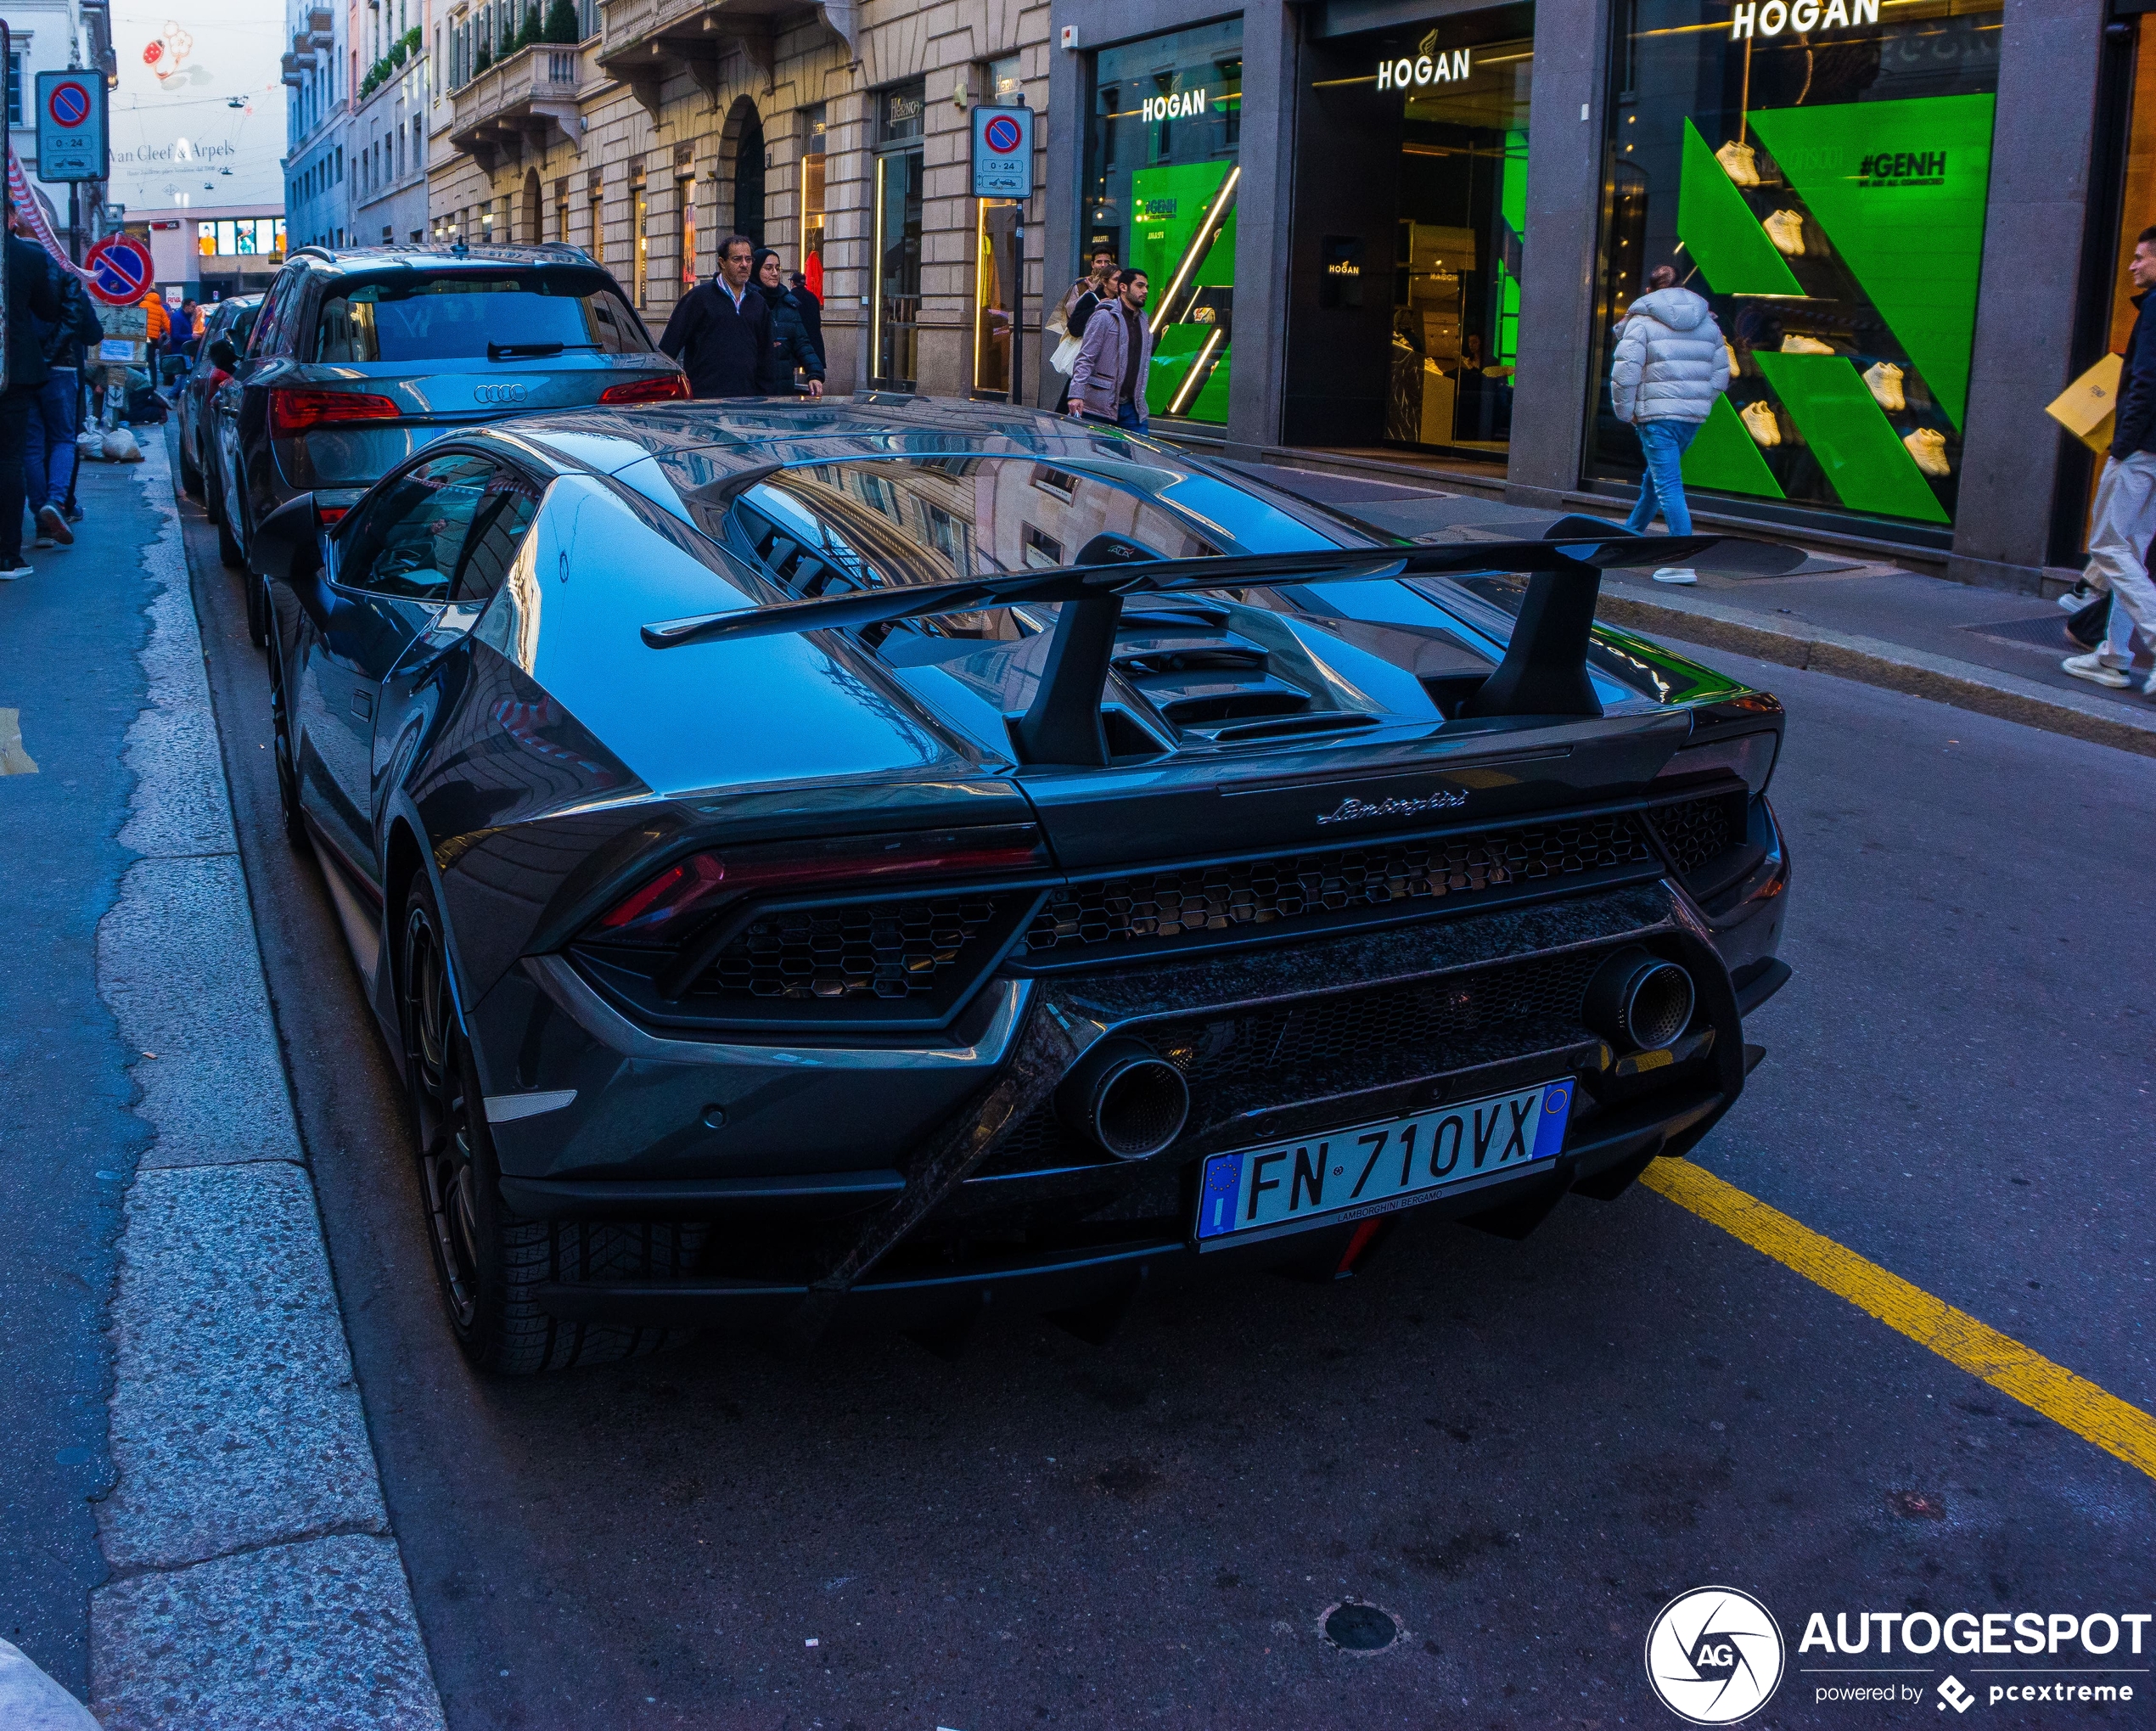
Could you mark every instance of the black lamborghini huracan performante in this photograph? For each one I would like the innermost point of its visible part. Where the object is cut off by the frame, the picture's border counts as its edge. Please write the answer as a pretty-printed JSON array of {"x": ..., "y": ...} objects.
[{"x": 869, "y": 857}]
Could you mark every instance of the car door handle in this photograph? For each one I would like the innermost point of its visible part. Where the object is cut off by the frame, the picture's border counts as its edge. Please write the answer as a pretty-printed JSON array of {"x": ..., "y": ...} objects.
[{"x": 363, "y": 704}]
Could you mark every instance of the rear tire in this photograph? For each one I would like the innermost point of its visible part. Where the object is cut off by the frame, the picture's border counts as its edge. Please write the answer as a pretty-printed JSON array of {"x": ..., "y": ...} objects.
[
  {"x": 488, "y": 1262},
  {"x": 229, "y": 552},
  {"x": 286, "y": 760}
]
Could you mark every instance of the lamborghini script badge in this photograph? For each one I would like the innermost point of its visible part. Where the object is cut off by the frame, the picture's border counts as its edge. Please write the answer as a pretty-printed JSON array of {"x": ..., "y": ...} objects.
[{"x": 1354, "y": 810}]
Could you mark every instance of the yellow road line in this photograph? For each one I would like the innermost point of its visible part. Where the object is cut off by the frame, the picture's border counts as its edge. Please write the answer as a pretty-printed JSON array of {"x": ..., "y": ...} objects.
[{"x": 1955, "y": 1335}]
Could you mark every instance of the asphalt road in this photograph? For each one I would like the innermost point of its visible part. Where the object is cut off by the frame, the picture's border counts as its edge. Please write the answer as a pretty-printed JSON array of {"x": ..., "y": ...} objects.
[
  {"x": 69, "y": 636},
  {"x": 1520, "y": 1450}
]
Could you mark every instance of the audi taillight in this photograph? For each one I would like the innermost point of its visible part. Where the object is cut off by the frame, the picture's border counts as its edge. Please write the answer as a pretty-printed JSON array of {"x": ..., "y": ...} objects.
[
  {"x": 665, "y": 906},
  {"x": 292, "y": 411},
  {"x": 666, "y": 387}
]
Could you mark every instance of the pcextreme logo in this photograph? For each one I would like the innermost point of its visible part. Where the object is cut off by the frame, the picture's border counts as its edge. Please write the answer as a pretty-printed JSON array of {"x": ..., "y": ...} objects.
[{"x": 1714, "y": 1656}]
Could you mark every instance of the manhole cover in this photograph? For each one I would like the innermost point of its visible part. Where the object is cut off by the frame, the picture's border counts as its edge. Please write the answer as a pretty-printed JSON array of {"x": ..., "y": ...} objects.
[{"x": 1361, "y": 1628}]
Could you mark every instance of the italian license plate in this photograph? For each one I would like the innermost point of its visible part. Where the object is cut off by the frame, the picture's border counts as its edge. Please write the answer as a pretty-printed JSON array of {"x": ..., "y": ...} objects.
[{"x": 1375, "y": 1168}]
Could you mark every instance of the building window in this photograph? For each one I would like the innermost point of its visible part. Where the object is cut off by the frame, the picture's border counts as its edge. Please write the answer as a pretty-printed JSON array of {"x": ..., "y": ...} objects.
[
  {"x": 1825, "y": 190},
  {"x": 16, "y": 75},
  {"x": 894, "y": 250},
  {"x": 1043, "y": 552},
  {"x": 597, "y": 210},
  {"x": 1162, "y": 167},
  {"x": 814, "y": 124},
  {"x": 685, "y": 202}
]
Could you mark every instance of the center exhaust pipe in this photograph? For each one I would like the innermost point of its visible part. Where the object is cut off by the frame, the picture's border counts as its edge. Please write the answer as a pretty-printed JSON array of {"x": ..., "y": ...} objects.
[
  {"x": 1637, "y": 999},
  {"x": 1127, "y": 1098}
]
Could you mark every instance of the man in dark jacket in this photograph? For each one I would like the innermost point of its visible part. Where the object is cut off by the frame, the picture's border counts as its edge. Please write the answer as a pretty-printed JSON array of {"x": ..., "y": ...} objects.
[
  {"x": 2124, "y": 519},
  {"x": 50, "y": 456},
  {"x": 812, "y": 313},
  {"x": 30, "y": 298},
  {"x": 789, "y": 346},
  {"x": 720, "y": 329}
]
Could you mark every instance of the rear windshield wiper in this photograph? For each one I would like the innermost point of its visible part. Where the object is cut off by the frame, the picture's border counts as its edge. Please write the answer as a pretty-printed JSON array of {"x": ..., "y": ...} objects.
[{"x": 528, "y": 352}]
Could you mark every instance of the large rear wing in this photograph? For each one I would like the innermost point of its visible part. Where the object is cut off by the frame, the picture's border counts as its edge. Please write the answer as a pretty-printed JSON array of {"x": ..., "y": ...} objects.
[{"x": 1544, "y": 672}]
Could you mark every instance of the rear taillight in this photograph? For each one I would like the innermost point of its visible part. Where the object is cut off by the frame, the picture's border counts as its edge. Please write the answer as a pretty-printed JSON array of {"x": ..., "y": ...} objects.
[
  {"x": 664, "y": 908},
  {"x": 294, "y": 411},
  {"x": 326, "y": 515},
  {"x": 1750, "y": 756},
  {"x": 667, "y": 387}
]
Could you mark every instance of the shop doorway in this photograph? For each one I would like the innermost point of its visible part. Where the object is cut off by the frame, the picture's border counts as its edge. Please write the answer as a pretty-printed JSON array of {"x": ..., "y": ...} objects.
[
  {"x": 1409, "y": 236},
  {"x": 895, "y": 251}
]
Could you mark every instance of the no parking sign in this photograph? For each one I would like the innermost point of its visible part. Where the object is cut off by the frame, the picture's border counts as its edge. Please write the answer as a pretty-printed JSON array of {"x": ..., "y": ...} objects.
[
  {"x": 72, "y": 126},
  {"x": 120, "y": 270},
  {"x": 1002, "y": 152}
]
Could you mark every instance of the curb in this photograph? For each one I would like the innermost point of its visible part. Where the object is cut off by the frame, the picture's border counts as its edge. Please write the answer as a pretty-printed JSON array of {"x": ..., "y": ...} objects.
[
  {"x": 254, "y": 1579},
  {"x": 1889, "y": 665}
]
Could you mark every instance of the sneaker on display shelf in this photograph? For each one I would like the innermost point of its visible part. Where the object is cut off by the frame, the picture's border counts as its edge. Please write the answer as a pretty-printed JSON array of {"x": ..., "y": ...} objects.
[
  {"x": 1927, "y": 445},
  {"x": 1785, "y": 229},
  {"x": 1738, "y": 158},
  {"x": 1805, "y": 346},
  {"x": 1760, "y": 421},
  {"x": 1885, "y": 379}
]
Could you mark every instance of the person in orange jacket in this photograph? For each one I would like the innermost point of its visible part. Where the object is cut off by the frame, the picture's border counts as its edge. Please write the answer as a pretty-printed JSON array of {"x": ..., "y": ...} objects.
[{"x": 161, "y": 321}]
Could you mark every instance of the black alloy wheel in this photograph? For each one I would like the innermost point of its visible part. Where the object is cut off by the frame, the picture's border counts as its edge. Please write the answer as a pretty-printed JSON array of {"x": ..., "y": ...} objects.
[
  {"x": 442, "y": 1114},
  {"x": 489, "y": 1262},
  {"x": 286, "y": 756}
]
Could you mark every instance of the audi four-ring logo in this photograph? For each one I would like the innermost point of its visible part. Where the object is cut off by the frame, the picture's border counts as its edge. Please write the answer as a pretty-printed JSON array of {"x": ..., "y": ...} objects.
[{"x": 498, "y": 393}]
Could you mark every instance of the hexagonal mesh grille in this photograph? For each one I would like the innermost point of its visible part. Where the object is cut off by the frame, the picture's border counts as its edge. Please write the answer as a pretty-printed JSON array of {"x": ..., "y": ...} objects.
[
  {"x": 1350, "y": 1039},
  {"x": 1164, "y": 906},
  {"x": 1695, "y": 830},
  {"x": 875, "y": 950}
]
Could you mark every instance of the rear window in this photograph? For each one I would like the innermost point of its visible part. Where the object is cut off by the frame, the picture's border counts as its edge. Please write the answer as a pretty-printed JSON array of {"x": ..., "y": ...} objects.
[{"x": 465, "y": 317}]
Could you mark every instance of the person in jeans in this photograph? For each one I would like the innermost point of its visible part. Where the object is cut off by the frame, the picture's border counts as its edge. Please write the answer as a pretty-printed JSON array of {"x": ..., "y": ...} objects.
[
  {"x": 2125, "y": 515},
  {"x": 1108, "y": 379},
  {"x": 50, "y": 458},
  {"x": 30, "y": 298},
  {"x": 1671, "y": 364}
]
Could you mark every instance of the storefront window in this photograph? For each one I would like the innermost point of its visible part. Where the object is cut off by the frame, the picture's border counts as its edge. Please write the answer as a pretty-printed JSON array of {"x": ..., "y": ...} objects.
[
  {"x": 814, "y": 123},
  {"x": 1160, "y": 180},
  {"x": 896, "y": 250},
  {"x": 1410, "y": 234},
  {"x": 1818, "y": 170}
]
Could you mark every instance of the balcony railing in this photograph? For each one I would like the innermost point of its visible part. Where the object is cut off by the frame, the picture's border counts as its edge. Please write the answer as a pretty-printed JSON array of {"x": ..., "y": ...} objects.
[{"x": 522, "y": 101}]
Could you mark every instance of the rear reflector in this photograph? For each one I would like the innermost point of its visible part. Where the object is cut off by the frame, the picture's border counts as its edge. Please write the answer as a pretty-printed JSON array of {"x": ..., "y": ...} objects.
[
  {"x": 292, "y": 411},
  {"x": 667, "y": 387},
  {"x": 329, "y": 514}
]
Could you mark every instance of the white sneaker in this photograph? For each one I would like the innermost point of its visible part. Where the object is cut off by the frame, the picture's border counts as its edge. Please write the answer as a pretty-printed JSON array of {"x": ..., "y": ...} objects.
[
  {"x": 2148, "y": 686},
  {"x": 42, "y": 541},
  {"x": 1677, "y": 574},
  {"x": 2097, "y": 671},
  {"x": 2075, "y": 598},
  {"x": 8, "y": 576},
  {"x": 52, "y": 525}
]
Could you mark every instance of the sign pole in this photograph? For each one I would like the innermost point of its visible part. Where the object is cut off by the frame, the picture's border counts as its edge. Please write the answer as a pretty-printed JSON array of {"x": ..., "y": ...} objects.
[{"x": 1002, "y": 168}]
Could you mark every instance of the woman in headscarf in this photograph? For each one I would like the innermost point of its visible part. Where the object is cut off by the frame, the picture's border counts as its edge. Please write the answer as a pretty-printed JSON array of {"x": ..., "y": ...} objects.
[{"x": 789, "y": 346}]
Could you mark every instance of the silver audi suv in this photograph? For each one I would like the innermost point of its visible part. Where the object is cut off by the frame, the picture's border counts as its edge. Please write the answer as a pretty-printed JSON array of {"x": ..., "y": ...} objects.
[{"x": 361, "y": 357}]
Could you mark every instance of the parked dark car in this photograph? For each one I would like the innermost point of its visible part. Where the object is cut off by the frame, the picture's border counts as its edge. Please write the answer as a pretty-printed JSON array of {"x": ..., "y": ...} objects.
[
  {"x": 872, "y": 857},
  {"x": 230, "y": 322},
  {"x": 359, "y": 357}
]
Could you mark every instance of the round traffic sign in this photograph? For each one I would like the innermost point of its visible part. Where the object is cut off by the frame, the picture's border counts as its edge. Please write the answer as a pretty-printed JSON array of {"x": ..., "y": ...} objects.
[
  {"x": 1002, "y": 135},
  {"x": 120, "y": 270},
  {"x": 70, "y": 103}
]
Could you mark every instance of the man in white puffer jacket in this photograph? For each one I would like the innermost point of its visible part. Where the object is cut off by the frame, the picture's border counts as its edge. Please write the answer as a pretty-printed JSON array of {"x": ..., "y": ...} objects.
[{"x": 1671, "y": 364}]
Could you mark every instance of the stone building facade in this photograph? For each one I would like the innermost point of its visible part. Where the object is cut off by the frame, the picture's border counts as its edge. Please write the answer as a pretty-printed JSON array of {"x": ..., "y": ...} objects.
[{"x": 837, "y": 132}]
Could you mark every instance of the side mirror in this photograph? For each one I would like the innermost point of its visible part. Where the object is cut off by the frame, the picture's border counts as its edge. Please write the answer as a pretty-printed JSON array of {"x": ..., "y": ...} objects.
[{"x": 222, "y": 352}]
